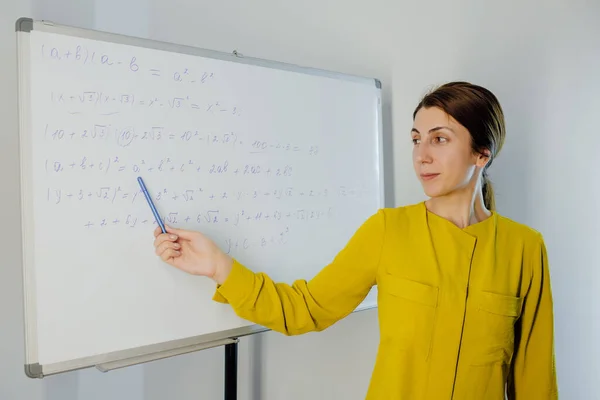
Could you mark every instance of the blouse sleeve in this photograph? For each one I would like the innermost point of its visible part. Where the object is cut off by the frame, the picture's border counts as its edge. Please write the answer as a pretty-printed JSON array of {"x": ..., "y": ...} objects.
[
  {"x": 533, "y": 374},
  {"x": 313, "y": 305}
]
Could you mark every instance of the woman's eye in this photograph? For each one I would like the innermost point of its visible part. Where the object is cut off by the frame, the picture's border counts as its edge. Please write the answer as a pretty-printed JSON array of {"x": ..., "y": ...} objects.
[
  {"x": 440, "y": 139},
  {"x": 416, "y": 141}
]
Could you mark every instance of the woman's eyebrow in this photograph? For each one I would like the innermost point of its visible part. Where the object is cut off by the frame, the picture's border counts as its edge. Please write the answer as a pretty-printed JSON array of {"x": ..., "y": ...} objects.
[{"x": 437, "y": 128}]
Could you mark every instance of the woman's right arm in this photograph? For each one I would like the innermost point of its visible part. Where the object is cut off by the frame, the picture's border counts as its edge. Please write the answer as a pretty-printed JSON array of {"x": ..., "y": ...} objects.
[{"x": 292, "y": 309}]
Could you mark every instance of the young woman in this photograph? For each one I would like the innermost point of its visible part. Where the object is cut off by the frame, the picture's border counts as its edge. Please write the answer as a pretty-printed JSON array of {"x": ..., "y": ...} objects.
[{"x": 465, "y": 303}]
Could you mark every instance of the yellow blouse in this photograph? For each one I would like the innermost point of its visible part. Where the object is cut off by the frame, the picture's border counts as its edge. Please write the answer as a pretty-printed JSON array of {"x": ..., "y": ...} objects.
[{"x": 463, "y": 313}]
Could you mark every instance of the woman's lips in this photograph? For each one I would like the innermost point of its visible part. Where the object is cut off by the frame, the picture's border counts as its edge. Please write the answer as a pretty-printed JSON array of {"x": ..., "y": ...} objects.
[{"x": 428, "y": 177}]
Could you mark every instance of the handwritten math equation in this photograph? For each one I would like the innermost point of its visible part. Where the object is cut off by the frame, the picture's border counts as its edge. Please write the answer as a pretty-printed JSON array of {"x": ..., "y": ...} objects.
[
  {"x": 263, "y": 241},
  {"x": 165, "y": 165},
  {"x": 215, "y": 216},
  {"x": 127, "y": 136},
  {"x": 126, "y": 101},
  {"x": 84, "y": 56},
  {"x": 103, "y": 135},
  {"x": 117, "y": 195}
]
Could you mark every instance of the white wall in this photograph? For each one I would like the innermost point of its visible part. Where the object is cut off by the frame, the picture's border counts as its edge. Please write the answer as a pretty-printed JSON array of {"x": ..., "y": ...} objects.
[
  {"x": 541, "y": 59},
  {"x": 12, "y": 380},
  {"x": 13, "y": 384}
]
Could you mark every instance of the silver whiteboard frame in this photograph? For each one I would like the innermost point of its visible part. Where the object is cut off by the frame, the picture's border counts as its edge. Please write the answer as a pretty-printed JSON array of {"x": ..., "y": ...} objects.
[{"x": 124, "y": 358}]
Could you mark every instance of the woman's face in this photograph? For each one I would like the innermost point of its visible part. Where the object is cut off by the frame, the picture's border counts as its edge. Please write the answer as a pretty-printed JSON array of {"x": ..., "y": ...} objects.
[{"x": 442, "y": 156}]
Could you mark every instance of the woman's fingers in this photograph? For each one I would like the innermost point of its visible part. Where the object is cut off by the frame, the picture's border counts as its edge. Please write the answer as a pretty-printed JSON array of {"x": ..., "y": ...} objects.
[
  {"x": 176, "y": 233},
  {"x": 169, "y": 254},
  {"x": 164, "y": 237},
  {"x": 182, "y": 233},
  {"x": 167, "y": 245}
]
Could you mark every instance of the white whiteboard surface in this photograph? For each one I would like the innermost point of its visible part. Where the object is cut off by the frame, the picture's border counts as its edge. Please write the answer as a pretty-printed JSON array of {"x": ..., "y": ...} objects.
[{"x": 278, "y": 164}]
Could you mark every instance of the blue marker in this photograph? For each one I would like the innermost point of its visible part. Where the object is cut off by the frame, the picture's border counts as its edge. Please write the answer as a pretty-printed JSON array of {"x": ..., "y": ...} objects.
[{"x": 151, "y": 204}]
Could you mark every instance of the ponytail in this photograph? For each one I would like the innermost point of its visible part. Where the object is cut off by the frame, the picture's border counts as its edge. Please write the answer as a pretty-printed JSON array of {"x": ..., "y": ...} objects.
[{"x": 488, "y": 193}]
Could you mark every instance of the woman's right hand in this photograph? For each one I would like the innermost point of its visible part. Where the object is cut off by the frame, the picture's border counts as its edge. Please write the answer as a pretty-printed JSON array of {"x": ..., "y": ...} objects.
[{"x": 192, "y": 252}]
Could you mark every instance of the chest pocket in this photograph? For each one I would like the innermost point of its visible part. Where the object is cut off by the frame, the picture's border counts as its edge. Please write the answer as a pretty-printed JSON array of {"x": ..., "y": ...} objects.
[
  {"x": 494, "y": 326},
  {"x": 407, "y": 313}
]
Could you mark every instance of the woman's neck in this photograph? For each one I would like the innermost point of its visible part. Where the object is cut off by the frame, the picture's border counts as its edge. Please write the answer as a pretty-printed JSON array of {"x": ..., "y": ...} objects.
[{"x": 462, "y": 208}]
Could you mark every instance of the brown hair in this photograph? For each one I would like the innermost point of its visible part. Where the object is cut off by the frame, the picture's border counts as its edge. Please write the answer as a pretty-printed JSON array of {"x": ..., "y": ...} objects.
[{"x": 478, "y": 110}]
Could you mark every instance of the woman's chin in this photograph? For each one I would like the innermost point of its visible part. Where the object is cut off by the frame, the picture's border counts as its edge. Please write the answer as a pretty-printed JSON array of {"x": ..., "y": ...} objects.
[{"x": 432, "y": 190}]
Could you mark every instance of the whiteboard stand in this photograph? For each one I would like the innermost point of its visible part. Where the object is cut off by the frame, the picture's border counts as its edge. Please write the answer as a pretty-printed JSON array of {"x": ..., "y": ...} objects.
[
  {"x": 231, "y": 371},
  {"x": 255, "y": 153}
]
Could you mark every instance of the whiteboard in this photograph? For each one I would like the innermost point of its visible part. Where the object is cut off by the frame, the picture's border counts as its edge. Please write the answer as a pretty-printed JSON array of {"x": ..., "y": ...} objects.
[{"x": 278, "y": 164}]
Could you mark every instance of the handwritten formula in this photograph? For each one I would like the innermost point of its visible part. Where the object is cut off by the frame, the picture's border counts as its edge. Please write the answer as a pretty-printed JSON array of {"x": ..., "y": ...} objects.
[
  {"x": 85, "y": 56},
  {"x": 217, "y": 154},
  {"x": 115, "y": 103},
  {"x": 114, "y": 194},
  {"x": 130, "y": 135}
]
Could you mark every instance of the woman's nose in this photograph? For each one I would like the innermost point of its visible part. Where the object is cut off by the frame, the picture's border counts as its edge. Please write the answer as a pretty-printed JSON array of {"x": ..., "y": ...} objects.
[{"x": 423, "y": 153}]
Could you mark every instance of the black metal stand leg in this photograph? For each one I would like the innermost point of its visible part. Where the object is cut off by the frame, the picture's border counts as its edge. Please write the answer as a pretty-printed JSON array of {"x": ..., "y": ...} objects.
[{"x": 231, "y": 371}]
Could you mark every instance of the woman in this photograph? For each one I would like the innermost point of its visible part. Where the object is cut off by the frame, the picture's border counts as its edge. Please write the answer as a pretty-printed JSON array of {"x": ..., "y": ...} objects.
[{"x": 465, "y": 303}]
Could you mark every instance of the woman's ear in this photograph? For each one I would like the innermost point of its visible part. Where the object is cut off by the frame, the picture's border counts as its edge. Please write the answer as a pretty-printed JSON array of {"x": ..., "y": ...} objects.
[{"x": 483, "y": 158}]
